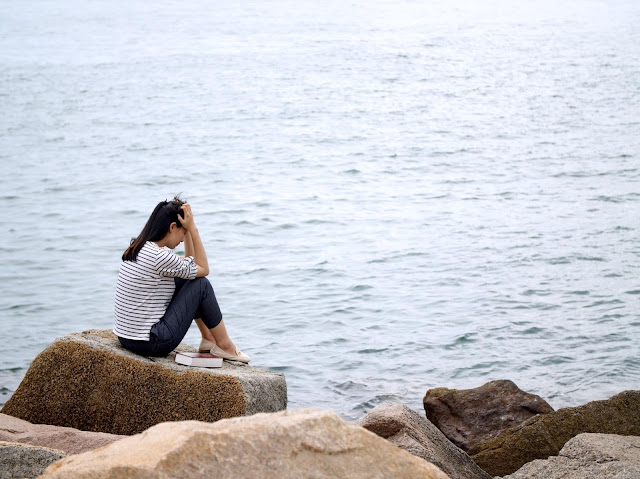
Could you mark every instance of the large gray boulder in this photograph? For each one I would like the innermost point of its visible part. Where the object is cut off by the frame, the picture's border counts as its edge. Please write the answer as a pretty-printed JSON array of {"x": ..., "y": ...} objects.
[
  {"x": 546, "y": 434},
  {"x": 291, "y": 444},
  {"x": 89, "y": 382},
  {"x": 24, "y": 460},
  {"x": 410, "y": 431},
  {"x": 67, "y": 439},
  {"x": 469, "y": 417},
  {"x": 597, "y": 456}
]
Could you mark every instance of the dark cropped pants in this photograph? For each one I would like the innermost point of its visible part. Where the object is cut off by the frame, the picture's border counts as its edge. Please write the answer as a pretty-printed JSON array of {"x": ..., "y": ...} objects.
[{"x": 192, "y": 299}]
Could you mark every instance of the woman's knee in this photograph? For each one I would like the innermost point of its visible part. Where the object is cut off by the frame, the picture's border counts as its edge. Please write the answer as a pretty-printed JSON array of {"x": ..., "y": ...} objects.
[{"x": 203, "y": 283}]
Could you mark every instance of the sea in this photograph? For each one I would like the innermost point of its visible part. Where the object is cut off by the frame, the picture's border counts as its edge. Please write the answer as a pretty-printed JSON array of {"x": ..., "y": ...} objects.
[{"x": 394, "y": 195}]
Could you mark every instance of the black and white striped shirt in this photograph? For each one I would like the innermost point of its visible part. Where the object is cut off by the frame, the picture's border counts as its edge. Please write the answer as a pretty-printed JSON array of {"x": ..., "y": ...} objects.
[{"x": 145, "y": 288}]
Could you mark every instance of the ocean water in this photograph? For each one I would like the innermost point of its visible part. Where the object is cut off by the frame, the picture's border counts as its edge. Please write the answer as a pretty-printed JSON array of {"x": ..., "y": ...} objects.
[{"x": 393, "y": 195}]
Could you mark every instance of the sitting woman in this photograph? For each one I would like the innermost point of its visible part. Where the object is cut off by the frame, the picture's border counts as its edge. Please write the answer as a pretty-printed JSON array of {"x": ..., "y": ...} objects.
[{"x": 159, "y": 293}]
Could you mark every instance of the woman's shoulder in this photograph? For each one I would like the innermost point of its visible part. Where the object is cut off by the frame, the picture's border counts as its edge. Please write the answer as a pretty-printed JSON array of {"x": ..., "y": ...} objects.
[
  {"x": 151, "y": 250},
  {"x": 151, "y": 246}
]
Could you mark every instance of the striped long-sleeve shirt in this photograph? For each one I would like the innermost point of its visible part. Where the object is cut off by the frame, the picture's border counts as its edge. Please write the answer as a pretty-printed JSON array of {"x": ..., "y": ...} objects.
[{"x": 145, "y": 289}]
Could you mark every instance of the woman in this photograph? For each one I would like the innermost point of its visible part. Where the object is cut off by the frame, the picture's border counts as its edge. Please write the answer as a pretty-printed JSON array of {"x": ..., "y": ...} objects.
[{"x": 159, "y": 293}]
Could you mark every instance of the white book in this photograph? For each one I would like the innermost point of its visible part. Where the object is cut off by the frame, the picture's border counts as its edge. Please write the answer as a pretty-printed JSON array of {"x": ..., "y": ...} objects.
[{"x": 201, "y": 360}]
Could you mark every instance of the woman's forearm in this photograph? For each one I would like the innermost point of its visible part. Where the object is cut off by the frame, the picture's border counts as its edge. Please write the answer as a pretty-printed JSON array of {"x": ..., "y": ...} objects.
[
  {"x": 199, "y": 254},
  {"x": 188, "y": 244}
]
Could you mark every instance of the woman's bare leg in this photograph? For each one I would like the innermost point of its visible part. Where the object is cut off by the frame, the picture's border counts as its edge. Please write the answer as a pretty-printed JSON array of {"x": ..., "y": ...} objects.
[
  {"x": 222, "y": 338},
  {"x": 217, "y": 335},
  {"x": 204, "y": 331}
]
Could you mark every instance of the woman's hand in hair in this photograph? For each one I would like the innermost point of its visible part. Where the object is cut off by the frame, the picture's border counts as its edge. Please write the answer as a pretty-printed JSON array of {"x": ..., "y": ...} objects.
[
  {"x": 187, "y": 222},
  {"x": 199, "y": 254}
]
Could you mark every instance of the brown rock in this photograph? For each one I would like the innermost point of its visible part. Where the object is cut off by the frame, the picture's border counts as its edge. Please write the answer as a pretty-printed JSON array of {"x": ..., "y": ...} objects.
[
  {"x": 470, "y": 416},
  {"x": 588, "y": 455},
  {"x": 89, "y": 382},
  {"x": 290, "y": 444},
  {"x": 67, "y": 439},
  {"x": 410, "y": 431},
  {"x": 24, "y": 460},
  {"x": 545, "y": 435}
]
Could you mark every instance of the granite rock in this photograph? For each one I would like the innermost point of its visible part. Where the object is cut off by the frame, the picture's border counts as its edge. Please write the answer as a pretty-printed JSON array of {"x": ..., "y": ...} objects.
[
  {"x": 471, "y": 416},
  {"x": 89, "y": 382},
  {"x": 410, "y": 431},
  {"x": 290, "y": 444},
  {"x": 546, "y": 434},
  {"x": 597, "y": 456},
  {"x": 24, "y": 460},
  {"x": 67, "y": 439}
]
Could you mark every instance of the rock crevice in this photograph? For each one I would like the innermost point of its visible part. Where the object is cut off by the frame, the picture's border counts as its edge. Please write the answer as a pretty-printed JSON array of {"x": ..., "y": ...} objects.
[{"x": 410, "y": 431}]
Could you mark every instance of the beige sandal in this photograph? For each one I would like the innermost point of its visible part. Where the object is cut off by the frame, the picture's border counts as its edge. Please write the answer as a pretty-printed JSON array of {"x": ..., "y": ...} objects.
[
  {"x": 239, "y": 356},
  {"x": 205, "y": 346}
]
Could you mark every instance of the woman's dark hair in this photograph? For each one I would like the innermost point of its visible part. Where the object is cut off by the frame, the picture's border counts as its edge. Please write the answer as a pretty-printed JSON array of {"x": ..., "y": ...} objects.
[{"x": 157, "y": 226}]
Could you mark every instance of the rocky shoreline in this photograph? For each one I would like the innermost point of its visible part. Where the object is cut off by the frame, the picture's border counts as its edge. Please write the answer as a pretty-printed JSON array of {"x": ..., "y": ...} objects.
[{"x": 88, "y": 408}]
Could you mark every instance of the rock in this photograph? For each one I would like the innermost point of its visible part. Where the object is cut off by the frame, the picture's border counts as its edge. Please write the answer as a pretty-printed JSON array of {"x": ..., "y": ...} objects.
[
  {"x": 290, "y": 444},
  {"x": 23, "y": 460},
  {"x": 471, "y": 416},
  {"x": 545, "y": 435},
  {"x": 89, "y": 382},
  {"x": 69, "y": 440},
  {"x": 410, "y": 431},
  {"x": 601, "y": 456}
]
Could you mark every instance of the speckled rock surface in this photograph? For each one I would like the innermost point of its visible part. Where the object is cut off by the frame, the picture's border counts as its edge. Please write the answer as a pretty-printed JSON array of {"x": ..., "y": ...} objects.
[
  {"x": 291, "y": 444},
  {"x": 89, "y": 382},
  {"x": 545, "y": 435},
  {"x": 410, "y": 431},
  {"x": 67, "y": 439},
  {"x": 469, "y": 417},
  {"x": 597, "y": 456},
  {"x": 25, "y": 461}
]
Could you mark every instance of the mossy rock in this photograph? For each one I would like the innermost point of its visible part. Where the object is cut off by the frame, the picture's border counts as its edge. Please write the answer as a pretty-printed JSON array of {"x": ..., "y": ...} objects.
[
  {"x": 25, "y": 461},
  {"x": 90, "y": 382},
  {"x": 545, "y": 435}
]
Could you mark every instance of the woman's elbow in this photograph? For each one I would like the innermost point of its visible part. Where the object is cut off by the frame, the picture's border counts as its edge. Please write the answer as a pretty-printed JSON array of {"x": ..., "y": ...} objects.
[{"x": 202, "y": 271}]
